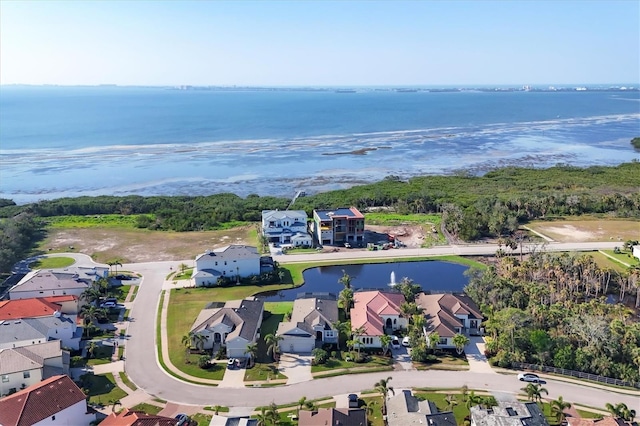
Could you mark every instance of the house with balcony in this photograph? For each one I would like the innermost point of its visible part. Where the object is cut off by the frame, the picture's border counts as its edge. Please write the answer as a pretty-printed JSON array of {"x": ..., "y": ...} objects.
[
  {"x": 286, "y": 227},
  {"x": 376, "y": 313},
  {"x": 338, "y": 226},
  {"x": 232, "y": 262},
  {"x": 311, "y": 325},
  {"x": 448, "y": 315},
  {"x": 25, "y": 366},
  {"x": 234, "y": 324}
]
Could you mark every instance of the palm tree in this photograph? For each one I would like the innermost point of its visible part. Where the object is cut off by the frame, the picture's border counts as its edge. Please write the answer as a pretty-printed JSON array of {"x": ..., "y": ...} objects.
[
  {"x": 534, "y": 392},
  {"x": 198, "y": 340},
  {"x": 460, "y": 341},
  {"x": 91, "y": 295},
  {"x": 114, "y": 403},
  {"x": 370, "y": 407},
  {"x": 272, "y": 341},
  {"x": 557, "y": 408},
  {"x": 345, "y": 280},
  {"x": 346, "y": 300},
  {"x": 342, "y": 327},
  {"x": 621, "y": 411},
  {"x": 92, "y": 315},
  {"x": 273, "y": 414},
  {"x": 301, "y": 402},
  {"x": 262, "y": 417},
  {"x": 186, "y": 342},
  {"x": 356, "y": 334},
  {"x": 385, "y": 341},
  {"x": 472, "y": 400},
  {"x": 252, "y": 350},
  {"x": 451, "y": 401},
  {"x": 216, "y": 409},
  {"x": 91, "y": 349},
  {"x": 383, "y": 387},
  {"x": 434, "y": 339}
]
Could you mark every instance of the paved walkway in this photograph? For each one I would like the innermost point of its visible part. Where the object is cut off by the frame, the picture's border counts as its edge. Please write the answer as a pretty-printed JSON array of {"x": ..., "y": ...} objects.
[
  {"x": 474, "y": 351},
  {"x": 402, "y": 358}
]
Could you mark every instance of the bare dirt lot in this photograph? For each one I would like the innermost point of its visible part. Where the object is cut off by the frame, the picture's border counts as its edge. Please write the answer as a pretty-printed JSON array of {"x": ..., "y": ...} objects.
[
  {"x": 588, "y": 230},
  {"x": 132, "y": 245},
  {"x": 413, "y": 236}
]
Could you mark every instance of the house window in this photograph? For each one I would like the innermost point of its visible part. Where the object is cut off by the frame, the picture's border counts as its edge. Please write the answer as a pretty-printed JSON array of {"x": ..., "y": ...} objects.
[
  {"x": 443, "y": 341},
  {"x": 53, "y": 418},
  {"x": 5, "y": 378},
  {"x": 26, "y": 375},
  {"x": 225, "y": 262},
  {"x": 216, "y": 263},
  {"x": 395, "y": 321}
]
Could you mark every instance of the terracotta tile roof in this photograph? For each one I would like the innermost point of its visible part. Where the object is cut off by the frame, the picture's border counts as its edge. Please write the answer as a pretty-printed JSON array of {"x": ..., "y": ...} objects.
[
  {"x": 127, "y": 417},
  {"x": 65, "y": 298},
  {"x": 27, "y": 308},
  {"x": 369, "y": 305},
  {"x": 40, "y": 401}
]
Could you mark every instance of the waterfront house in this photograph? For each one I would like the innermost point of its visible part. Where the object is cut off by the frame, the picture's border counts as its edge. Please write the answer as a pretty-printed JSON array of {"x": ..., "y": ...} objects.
[
  {"x": 232, "y": 262},
  {"x": 448, "y": 315},
  {"x": 57, "y": 400},
  {"x": 311, "y": 325},
  {"x": 234, "y": 324},
  {"x": 338, "y": 226},
  {"x": 377, "y": 313},
  {"x": 286, "y": 227}
]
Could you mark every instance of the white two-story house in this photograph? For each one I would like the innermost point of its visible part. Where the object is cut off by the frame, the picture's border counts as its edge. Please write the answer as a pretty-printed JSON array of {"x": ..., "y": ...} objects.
[
  {"x": 232, "y": 262},
  {"x": 286, "y": 227}
]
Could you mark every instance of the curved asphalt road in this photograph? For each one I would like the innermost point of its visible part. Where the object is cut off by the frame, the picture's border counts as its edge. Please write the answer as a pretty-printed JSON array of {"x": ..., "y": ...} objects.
[{"x": 143, "y": 368}]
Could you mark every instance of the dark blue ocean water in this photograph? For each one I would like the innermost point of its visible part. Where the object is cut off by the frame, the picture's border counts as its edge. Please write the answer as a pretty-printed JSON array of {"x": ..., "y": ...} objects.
[{"x": 87, "y": 141}]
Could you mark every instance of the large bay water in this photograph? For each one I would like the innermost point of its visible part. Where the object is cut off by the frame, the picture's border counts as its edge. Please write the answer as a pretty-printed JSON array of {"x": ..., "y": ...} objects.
[
  {"x": 433, "y": 276},
  {"x": 57, "y": 141}
]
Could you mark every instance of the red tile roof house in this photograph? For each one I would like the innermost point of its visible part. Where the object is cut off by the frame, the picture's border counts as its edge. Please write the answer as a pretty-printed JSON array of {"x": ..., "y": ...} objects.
[
  {"x": 448, "y": 315},
  {"x": 378, "y": 313},
  {"x": 38, "y": 307},
  {"x": 127, "y": 417},
  {"x": 55, "y": 401}
]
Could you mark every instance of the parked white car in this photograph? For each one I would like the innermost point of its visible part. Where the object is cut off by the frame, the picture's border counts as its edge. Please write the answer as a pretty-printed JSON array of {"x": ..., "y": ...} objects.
[
  {"x": 405, "y": 342},
  {"x": 529, "y": 377},
  {"x": 395, "y": 343}
]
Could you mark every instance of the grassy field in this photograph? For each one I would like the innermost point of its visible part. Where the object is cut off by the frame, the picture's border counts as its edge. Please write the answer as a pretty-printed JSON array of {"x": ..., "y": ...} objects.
[
  {"x": 201, "y": 419},
  {"x": 147, "y": 408},
  {"x": 125, "y": 379},
  {"x": 52, "y": 262},
  {"x": 340, "y": 363},
  {"x": 459, "y": 410},
  {"x": 395, "y": 219},
  {"x": 588, "y": 228},
  {"x": 93, "y": 221},
  {"x": 278, "y": 307},
  {"x": 624, "y": 257},
  {"x": 265, "y": 366}
]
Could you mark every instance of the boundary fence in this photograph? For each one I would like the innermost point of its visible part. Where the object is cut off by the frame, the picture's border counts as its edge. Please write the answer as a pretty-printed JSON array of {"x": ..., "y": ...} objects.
[{"x": 572, "y": 373}]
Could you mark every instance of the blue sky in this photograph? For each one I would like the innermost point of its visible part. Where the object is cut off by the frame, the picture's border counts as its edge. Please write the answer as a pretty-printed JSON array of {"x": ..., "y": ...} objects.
[{"x": 320, "y": 43}]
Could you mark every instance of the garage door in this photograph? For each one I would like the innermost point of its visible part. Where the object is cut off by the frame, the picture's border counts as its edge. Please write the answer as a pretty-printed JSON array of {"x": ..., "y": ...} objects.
[{"x": 298, "y": 345}]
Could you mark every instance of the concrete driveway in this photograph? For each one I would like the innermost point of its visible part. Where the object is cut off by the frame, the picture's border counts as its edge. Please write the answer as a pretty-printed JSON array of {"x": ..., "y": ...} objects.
[
  {"x": 402, "y": 358},
  {"x": 474, "y": 351},
  {"x": 297, "y": 367},
  {"x": 233, "y": 378}
]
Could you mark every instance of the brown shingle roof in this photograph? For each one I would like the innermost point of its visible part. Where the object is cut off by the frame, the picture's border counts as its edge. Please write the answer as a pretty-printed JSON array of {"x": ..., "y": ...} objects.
[
  {"x": 137, "y": 418},
  {"x": 40, "y": 401},
  {"x": 440, "y": 310}
]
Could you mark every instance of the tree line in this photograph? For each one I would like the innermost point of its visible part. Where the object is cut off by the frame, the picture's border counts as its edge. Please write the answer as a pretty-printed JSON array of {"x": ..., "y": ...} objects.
[{"x": 551, "y": 309}]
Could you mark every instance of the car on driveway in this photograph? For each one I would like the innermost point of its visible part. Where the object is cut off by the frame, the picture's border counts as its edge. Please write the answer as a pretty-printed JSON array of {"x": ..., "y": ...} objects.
[
  {"x": 231, "y": 364},
  {"x": 529, "y": 377},
  {"x": 395, "y": 343},
  {"x": 405, "y": 341},
  {"x": 353, "y": 400},
  {"x": 108, "y": 304},
  {"x": 123, "y": 277},
  {"x": 182, "y": 419}
]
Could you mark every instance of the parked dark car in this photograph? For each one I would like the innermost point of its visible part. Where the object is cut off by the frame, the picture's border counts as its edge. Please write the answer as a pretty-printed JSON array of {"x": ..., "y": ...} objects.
[
  {"x": 123, "y": 277},
  {"x": 353, "y": 400}
]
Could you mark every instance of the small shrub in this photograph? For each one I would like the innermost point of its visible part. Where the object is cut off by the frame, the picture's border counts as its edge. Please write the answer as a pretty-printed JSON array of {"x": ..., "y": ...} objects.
[
  {"x": 203, "y": 361},
  {"x": 320, "y": 355}
]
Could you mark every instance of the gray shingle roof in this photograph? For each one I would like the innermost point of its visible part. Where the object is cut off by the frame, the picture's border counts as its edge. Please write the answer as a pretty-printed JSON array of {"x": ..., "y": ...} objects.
[
  {"x": 40, "y": 280},
  {"x": 405, "y": 409},
  {"x": 301, "y": 215},
  {"x": 309, "y": 312},
  {"x": 18, "y": 330},
  {"x": 509, "y": 413},
  {"x": 245, "y": 315},
  {"x": 233, "y": 251}
]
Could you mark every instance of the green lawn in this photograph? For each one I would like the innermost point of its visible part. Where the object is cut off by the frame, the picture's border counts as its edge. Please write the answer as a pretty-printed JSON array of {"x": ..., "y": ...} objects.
[
  {"x": 201, "y": 419},
  {"x": 52, "y": 262},
  {"x": 339, "y": 363},
  {"x": 121, "y": 292},
  {"x": 101, "y": 355},
  {"x": 92, "y": 221},
  {"x": 102, "y": 389},
  {"x": 624, "y": 257},
  {"x": 147, "y": 408},
  {"x": 606, "y": 262},
  {"x": 183, "y": 275},
  {"x": 395, "y": 219},
  {"x": 125, "y": 379},
  {"x": 375, "y": 418},
  {"x": 278, "y": 307},
  {"x": 265, "y": 366},
  {"x": 588, "y": 414},
  {"x": 459, "y": 410}
]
